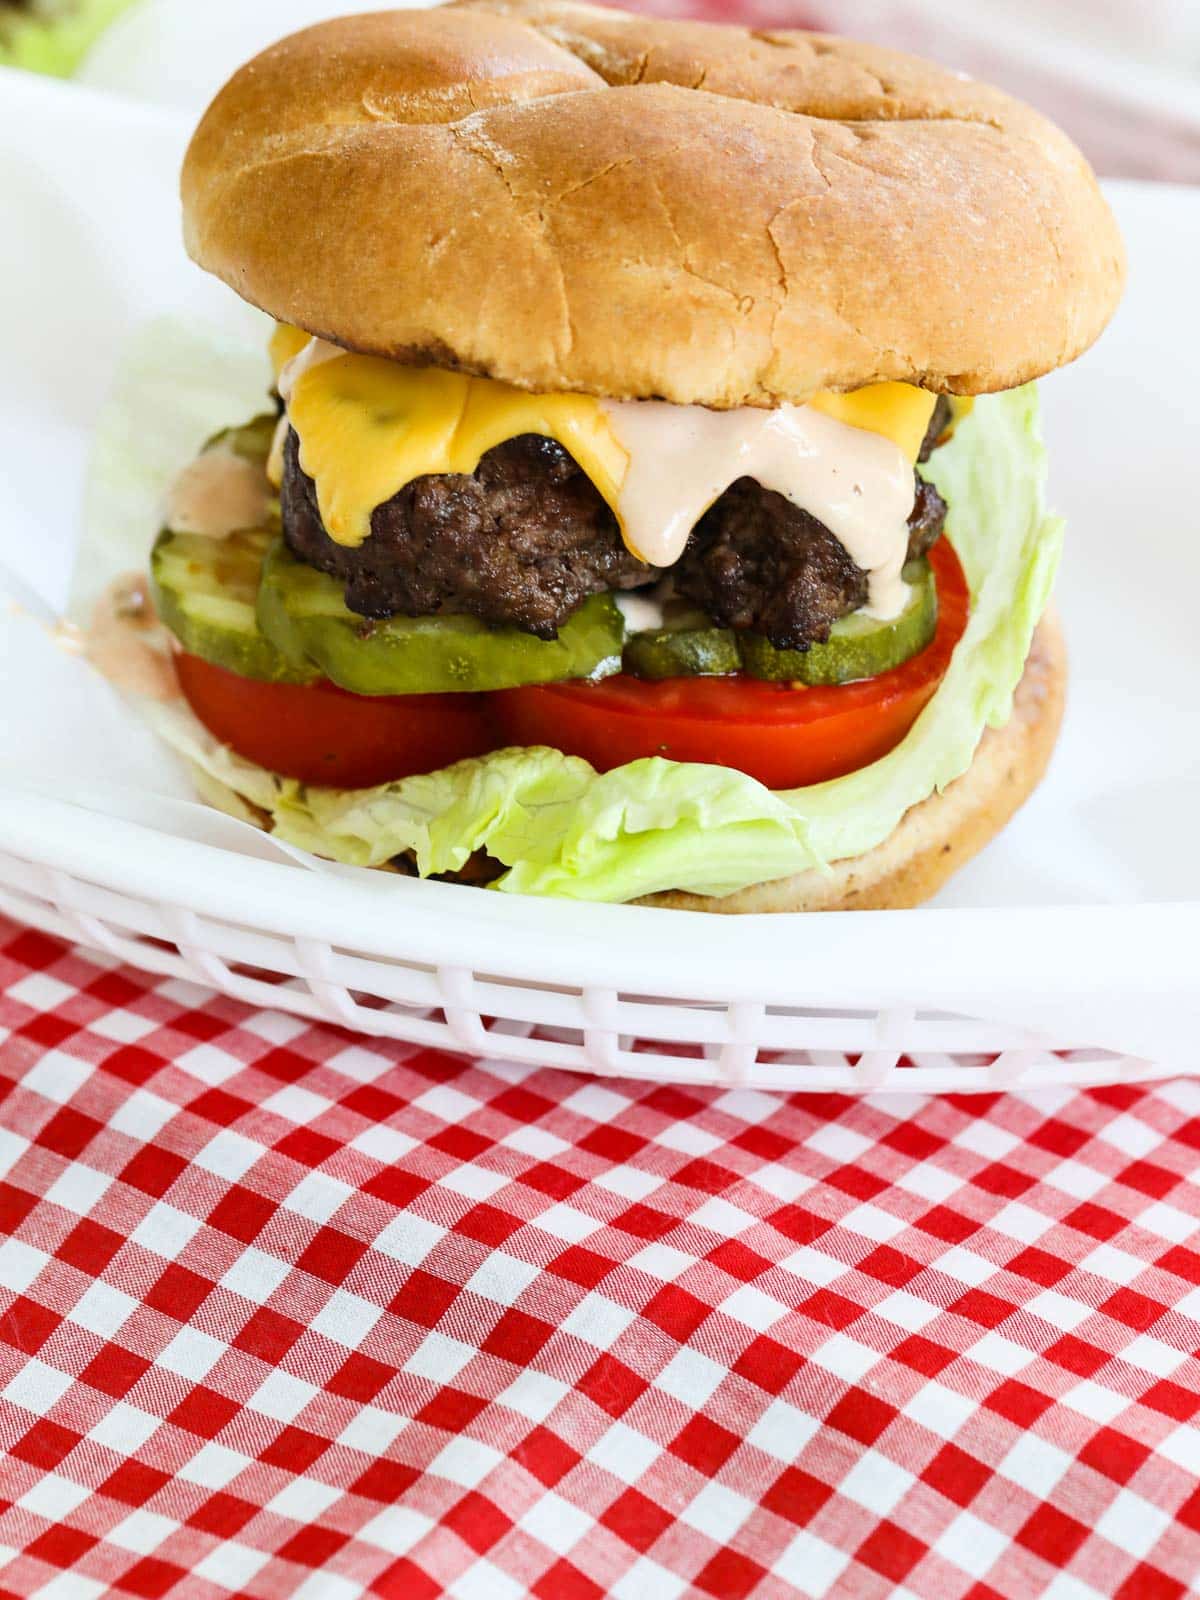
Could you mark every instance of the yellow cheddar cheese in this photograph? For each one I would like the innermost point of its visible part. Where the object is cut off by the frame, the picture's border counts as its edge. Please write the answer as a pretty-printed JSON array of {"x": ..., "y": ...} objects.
[
  {"x": 285, "y": 344},
  {"x": 368, "y": 426},
  {"x": 899, "y": 411}
]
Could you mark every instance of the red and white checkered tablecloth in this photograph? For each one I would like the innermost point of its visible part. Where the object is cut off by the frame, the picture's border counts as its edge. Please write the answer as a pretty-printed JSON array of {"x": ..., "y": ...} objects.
[{"x": 289, "y": 1313}]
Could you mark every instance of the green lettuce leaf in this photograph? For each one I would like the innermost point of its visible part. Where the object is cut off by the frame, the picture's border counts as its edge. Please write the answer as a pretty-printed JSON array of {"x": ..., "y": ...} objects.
[
  {"x": 562, "y": 829},
  {"x": 56, "y": 44}
]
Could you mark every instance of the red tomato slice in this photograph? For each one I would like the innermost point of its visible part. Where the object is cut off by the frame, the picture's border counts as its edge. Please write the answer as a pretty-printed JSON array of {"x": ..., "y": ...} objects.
[
  {"x": 784, "y": 737},
  {"x": 322, "y": 734}
]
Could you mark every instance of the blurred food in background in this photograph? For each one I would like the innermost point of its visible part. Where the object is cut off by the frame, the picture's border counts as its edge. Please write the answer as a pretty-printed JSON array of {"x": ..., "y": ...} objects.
[
  {"x": 53, "y": 35},
  {"x": 179, "y": 52},
  {"x": 1121, "y": 76}
]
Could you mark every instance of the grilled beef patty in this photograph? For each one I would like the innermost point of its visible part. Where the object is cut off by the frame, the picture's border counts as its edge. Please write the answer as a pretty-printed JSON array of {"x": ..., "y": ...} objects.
[
  {"x": 526, "y": 537},
  {"x": 757, "y": 561},
  {"x": 522, "y": 540}
]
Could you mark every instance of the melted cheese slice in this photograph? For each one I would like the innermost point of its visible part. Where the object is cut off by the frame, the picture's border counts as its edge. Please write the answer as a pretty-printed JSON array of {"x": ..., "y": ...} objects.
[
  {"x": 368, "y": 426},
  {"x": 898, "y": 411},
  {"x": 285, "y": 345}
]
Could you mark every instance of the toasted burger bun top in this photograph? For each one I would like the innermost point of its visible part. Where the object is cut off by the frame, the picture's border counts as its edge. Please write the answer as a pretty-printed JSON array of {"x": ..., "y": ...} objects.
[{"x": 571, "y": 198}]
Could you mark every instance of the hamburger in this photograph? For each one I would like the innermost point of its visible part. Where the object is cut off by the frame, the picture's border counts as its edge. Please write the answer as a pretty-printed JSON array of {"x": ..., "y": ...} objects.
[{"x": 649, "y": 504}]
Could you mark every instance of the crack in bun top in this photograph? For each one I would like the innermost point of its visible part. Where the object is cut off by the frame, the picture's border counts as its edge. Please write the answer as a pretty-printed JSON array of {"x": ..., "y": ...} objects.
[{"x": 572, "y": 198}]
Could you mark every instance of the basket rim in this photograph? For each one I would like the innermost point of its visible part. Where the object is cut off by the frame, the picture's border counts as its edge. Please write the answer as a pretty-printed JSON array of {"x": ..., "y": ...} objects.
[{"x": 946, "y": 958}]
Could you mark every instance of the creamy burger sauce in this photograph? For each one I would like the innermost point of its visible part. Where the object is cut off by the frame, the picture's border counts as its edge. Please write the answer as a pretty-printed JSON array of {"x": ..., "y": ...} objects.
[
  {"x": 641, "y": 611},
  {"x": 659, "y": 466},
  {"x": 682, "y": 458},
  {"x": 218, "y": 494},
  {"x": 126, "y": 642}
]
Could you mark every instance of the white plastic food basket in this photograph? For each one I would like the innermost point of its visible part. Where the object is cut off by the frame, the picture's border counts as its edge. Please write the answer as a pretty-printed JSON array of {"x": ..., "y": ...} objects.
[
  {"x": 1058, "y": 964},
  {"x": 854, "y": 1003}
]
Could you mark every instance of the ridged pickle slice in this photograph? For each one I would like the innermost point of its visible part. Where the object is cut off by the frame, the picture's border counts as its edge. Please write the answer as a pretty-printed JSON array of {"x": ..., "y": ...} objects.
[
  {"x": 205, "y": 590},
  {"x": 699, "y": 652},
  {"x": 858, "y": 646},
  {"x": 304, "y": 615},
  {"x": 252, "y": 440}
]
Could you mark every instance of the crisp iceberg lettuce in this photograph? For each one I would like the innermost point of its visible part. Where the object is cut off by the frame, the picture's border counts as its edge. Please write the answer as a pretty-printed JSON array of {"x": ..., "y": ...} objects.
[
  {"x": 562, "y": 829},
  {"x": 56, "y": 43}
]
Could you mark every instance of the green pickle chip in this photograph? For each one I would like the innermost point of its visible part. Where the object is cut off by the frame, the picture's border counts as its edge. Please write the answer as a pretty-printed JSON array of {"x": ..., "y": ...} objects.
[
  {"x": 859, "y": 646},
  {"x": 304, "y": 615},
  {"x": 206, "y": 590}
]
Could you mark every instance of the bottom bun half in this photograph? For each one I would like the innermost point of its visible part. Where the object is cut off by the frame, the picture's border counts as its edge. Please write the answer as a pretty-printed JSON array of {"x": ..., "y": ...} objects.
[{"x": 938, "y": 836}]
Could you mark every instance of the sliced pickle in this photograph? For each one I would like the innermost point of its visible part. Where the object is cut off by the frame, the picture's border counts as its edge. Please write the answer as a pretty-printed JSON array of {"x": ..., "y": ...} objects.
[
  {"x": 859, "y": 646},
  {"x": 205, "y": 589},
  {"x": 304, "y": 615},
  {"x": 252, "y": 441},
  {"x": 682, "y": 653}
]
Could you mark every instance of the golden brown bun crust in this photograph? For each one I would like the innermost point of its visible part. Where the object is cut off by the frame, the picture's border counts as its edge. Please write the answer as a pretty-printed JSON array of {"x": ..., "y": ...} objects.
[
  {"x": 573, "y": 198},
  {"x": 941, "y": 834}
]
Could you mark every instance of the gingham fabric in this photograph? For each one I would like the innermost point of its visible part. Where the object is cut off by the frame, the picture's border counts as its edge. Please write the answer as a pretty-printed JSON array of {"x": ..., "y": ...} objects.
[{"x": 290, "y": 1313}]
